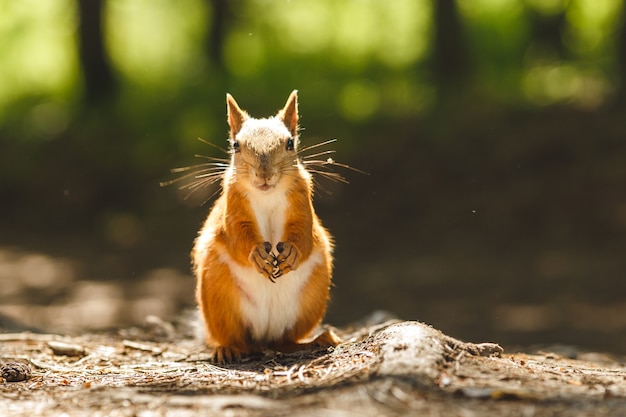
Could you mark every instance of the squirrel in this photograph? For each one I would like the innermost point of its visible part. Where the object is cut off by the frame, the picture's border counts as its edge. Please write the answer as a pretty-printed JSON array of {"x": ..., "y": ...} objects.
[{"x": 262, "y": 259}]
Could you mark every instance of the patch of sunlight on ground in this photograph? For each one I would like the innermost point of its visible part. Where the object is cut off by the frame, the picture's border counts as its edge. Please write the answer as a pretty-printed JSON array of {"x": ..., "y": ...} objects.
[{"x": 47, "y": 293}]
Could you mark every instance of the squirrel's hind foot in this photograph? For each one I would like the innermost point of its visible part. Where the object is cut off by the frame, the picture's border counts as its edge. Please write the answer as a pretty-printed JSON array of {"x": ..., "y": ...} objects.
[
  {"x": 227, "y": 354},
  {"x": 324, "y": 340}
]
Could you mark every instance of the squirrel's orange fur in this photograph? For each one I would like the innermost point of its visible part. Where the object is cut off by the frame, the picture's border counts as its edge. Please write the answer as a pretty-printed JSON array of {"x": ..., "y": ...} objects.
[{"x": 262, "y": 259}]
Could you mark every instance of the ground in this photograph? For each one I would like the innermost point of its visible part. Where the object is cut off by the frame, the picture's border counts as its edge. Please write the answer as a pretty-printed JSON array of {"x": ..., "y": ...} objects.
[{"x": 388, "y": 369}]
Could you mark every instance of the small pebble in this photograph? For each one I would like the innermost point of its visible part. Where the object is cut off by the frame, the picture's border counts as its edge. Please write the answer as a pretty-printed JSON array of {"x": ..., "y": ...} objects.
[{"x": 66, "y": 349}]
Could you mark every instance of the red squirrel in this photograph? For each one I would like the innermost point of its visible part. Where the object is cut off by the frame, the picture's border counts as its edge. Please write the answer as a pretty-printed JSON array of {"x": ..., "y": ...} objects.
[{"x": 263, "y": 260}]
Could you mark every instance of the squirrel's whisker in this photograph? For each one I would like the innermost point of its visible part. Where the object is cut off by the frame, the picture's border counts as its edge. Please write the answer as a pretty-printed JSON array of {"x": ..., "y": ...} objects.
[
  {"x": 213, "y": 145},
  {"x": 224, "y": 161},
  {"x": 329, "y": 175},
  {"x": 331, "y": 151},
  {"x": 317, "y": 145},
  {"x": 211, "y": 166}
]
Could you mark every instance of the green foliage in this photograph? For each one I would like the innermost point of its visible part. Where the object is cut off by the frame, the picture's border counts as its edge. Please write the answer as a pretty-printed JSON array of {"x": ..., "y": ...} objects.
[
  {"x": 157, "y": 44},
  {"x": 359, "y": 59},
  {"x": 37, "y": 47},
  {"x": 357, "y": 64},
  {"x": 38, "y": 67}
]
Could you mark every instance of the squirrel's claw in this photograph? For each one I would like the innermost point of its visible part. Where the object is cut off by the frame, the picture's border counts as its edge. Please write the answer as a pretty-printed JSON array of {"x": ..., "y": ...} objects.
[
  {"x": 226, "y": 354},
  {"x": 288, "y": 257},
  {"x": 263, "y": 260}
]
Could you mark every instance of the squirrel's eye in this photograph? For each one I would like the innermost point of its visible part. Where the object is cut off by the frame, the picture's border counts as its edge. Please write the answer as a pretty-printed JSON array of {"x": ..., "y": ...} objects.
[
  {"x": 290, "y": 144},
  {"x": 235, "y": 146}
]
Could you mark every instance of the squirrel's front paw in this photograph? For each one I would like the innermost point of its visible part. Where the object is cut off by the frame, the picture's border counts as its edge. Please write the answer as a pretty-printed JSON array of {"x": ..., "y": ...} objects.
[
  {"x": 263, "y": 260},
  {"x": 288, "y": 258}
]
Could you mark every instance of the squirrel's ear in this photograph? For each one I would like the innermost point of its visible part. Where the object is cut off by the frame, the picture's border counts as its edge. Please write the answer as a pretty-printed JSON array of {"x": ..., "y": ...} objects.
[
  {"x": 289, "y": 113},
  {"x": 236, "y": 116}
]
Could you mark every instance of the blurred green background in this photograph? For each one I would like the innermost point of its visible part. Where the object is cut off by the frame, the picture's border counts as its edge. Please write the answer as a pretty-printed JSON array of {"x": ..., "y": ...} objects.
[{"x": 493, "y": 132}]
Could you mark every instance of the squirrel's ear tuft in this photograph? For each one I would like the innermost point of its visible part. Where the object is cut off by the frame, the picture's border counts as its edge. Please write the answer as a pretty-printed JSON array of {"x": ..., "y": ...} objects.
[
  {"x": 289, "y": 113},
  {"x": 236, "y": 116}
]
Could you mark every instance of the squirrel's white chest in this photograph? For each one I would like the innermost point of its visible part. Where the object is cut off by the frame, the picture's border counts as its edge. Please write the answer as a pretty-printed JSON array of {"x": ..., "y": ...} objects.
[{"x": 269, "y": 210}]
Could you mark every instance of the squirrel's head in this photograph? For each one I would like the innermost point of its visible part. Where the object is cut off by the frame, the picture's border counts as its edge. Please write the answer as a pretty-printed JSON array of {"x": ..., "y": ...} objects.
[{"x": 263, "y": 150}]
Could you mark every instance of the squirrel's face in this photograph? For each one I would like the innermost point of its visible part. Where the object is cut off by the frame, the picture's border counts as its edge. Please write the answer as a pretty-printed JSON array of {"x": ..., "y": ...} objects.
[{"x": 264, "y": 152}]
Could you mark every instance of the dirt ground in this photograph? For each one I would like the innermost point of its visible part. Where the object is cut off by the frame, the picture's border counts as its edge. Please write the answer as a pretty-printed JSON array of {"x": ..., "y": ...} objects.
[{"x": 388, "y": 369}]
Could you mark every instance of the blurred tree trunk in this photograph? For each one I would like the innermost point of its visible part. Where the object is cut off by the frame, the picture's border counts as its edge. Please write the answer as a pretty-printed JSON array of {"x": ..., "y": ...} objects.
[
  {"x": 450, "y": 56},
  {"x": 98, "y": 76},
  {"x": 221, "y": 17},
  {"x": 547, "y": 30},
  {"x": 621, "y": 58}
]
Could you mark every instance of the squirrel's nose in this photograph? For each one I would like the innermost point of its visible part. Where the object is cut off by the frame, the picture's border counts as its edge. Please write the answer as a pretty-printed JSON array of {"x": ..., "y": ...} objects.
[
  {"x": 265, "y": 170},
  {"x": 263, "y": 173}
]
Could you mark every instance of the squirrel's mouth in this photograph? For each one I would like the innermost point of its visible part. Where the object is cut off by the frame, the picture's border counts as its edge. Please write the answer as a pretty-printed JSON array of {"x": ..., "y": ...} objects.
[
  {"x": 265, "y": 182},
  {"x": 264, "y": 186}
]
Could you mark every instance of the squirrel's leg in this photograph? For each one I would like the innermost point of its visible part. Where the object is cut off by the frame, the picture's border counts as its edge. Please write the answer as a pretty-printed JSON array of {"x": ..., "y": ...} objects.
[{"x": 218, "y": 299}]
